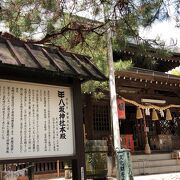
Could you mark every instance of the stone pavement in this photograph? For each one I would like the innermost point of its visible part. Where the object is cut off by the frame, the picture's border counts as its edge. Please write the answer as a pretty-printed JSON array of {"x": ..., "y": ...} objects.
[{"x": 171, "y": 176}]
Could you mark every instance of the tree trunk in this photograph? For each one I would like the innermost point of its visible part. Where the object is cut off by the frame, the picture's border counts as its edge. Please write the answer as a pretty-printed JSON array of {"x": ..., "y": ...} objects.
[{"x": 112, "y": 87}]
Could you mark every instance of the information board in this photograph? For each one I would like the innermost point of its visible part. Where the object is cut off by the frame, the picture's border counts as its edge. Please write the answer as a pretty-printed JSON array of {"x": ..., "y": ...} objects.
[{"x": 36, "y": 120}]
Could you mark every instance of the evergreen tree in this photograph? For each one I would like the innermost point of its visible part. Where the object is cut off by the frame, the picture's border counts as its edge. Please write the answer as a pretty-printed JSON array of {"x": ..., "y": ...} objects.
[
  {"x": 55, "y": 18},
  {"x": 175, "y": 71},
  {"x": 58, "y": 22}
]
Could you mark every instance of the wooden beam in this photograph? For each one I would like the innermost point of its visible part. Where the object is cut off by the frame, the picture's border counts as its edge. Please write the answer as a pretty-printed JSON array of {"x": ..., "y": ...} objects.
[
  {"x": 138, "y": 97},
  {"x": 82, "y": 65},
  {"x": 78, "y": 164},
  {"x": 32, "y": 55},
  {"x": 146, "y": 75},
  {"x": 147, "y": 85},
  {"x": 94, "y": 67},
  {"x": 58, "y": 172},
  {"x": 67, "y": 63},
  {"x": 52, "y": 61},
  {"x": 15, "y": 53}
]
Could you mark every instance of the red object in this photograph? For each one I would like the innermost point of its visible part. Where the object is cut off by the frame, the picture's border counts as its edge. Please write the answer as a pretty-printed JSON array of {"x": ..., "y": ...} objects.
[
  {"x": 121, "y": 109},
  {"x": 127, "y": 141}
]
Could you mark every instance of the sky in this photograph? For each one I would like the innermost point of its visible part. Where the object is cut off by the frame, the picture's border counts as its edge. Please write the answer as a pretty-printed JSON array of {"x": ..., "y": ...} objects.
[{"x": 166, "y": 30}]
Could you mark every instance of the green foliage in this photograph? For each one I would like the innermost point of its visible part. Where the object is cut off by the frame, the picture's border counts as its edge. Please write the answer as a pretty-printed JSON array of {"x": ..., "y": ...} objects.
[
  {"x": 150, "y": 11},
  {"x": 50, "y": 27},
  {"x": 50, "y": 5},
  {"x": 30, "y": 16},
  {"x": 143, "y": 53},
  {"x": 175, "y": 71},
  {"x": 95, "y": 88},
  {"x": 95, "y": 47},
  {"x": 100, "y": 89},
  {"x": 122, "y": 65},
  {"x": 58, "y": 20}
]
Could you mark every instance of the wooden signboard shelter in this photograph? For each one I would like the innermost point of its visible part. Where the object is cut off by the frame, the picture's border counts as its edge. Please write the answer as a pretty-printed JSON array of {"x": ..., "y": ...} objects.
[{"x": 25, "y": 64}]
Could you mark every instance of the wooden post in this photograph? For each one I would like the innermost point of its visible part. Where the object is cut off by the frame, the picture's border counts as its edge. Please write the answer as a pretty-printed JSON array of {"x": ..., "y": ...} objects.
[
  {"x": 1, "y": 169},
  {"x": 67, "y": 170},
  {"x": 78, "y": 164},
  {"x": 57, "y": 168},
  {"x": 31, "y": 171}
]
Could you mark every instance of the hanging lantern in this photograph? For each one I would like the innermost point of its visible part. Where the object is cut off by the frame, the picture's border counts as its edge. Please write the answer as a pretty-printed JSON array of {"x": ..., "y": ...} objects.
[
  {"x": 154, "y": 115},
  {"x": 168, "y": 115},
  {"x": 139, "y": 113}
]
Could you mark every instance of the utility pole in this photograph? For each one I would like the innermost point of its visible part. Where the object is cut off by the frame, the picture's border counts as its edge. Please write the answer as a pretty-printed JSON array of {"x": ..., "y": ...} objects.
[{"x": 112, "y": 87}]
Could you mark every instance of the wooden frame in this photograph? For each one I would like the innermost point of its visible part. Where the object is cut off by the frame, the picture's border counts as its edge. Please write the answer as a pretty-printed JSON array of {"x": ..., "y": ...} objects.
[{"x": 26, "y": 75}]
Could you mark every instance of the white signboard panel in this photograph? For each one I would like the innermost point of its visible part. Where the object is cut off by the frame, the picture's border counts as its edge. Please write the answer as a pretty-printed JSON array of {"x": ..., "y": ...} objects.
[{"x": 36, "y": 120}]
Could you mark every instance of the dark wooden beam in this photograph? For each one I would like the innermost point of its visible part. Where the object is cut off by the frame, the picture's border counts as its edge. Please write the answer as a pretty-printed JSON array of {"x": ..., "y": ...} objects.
[
  {"x": 82, "y": 65},
  {"x": 88, "y": 116},
  {"x": 67, "y": 63},
  {"x": 15, "y": 53},
  {"x": 138, "y": 97},
  {"x": 178, "y": 93},
  {"x": 93, "y": 66},
  {"x": 32, "y": 55},
  {"x": 78, "y": 164},
  {"x": 148, "y": 75},
  {"x": 33, "y": 75},
  {"x": 146, "y": 85},
  {"x": 52, "y": 61}
]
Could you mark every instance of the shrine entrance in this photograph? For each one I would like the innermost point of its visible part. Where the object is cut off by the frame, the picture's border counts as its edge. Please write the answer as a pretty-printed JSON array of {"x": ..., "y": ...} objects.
[{"x": 163, "y": 135}]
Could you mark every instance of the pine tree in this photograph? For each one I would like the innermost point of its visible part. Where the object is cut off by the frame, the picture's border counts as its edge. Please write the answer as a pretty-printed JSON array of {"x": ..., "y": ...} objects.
[{"x": 58, "y": 22}]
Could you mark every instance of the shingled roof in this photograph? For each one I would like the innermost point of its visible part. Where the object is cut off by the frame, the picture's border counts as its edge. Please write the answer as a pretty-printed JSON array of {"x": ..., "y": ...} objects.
[
  {"x": 16, "y": 53},
  {"x": 148, "y": 76},
  {"x": 132, "y": 49},
  {"x": 149, "y": 58}
]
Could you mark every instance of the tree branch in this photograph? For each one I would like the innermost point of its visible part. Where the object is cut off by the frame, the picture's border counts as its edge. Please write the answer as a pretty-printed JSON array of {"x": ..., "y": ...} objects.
[{"x": 71, "y": 27}]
